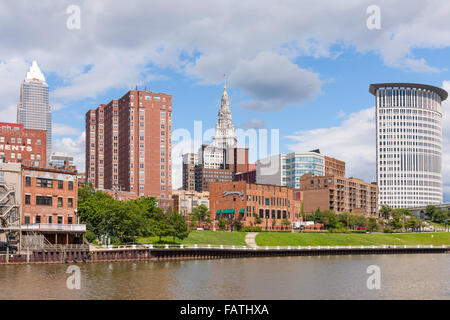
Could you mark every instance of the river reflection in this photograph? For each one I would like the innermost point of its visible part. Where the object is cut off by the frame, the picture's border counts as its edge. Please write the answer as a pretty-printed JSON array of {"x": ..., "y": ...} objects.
[{"x": 424, "y": 276}]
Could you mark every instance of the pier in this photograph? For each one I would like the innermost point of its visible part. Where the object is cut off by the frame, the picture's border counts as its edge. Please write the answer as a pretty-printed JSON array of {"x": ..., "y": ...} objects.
[{"x": 180, "y": 252}]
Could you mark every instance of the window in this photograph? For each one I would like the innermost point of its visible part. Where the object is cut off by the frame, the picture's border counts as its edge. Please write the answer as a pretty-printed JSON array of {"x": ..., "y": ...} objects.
[
  {"x": 38, "y": 219},
  {"x": 27, "y": 199},
  {"x": 69, "y": 220},
  {"x": 44, "y": 183},
  {"x": 28, "y": 181},
  {"x": 70, "y": 202},
  {"x": 43, "y": 201},
  {"x": 49, "y": 219},
  {"x": 60, "y": 184},
  {"x": 60, "y": 202},
  {"x": 27, "y": 220},
  {"x": 60, "y": 220},
  {"x": 70, "y": 185}
]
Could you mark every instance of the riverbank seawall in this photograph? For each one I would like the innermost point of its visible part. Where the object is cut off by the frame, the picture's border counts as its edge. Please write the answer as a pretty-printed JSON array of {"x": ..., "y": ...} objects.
[{"x": 170, "y": 252}]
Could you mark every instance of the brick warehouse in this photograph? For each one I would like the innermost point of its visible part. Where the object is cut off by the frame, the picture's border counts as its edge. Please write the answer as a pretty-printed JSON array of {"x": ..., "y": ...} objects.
[
  {"x": 49, "y": 203},
  {"x": 26, "y": 146},
  {"x": 239, "y": 200},
  {"x": 128, "y": 145},
  {"x": 339, "y": 194}
]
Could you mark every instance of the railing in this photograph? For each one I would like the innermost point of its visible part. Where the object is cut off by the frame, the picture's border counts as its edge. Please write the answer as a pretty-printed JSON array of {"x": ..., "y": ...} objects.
[
  {"x": 54, "y": 227},
  {"x": 55, "y": 247},
  {"x": 228, "y": 247}
]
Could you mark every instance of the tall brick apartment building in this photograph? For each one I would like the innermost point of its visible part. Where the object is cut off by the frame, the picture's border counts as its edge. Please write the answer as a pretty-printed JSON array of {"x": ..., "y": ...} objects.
[
  {"x": 128, "y": 145},
  {"x": 339, "y": 194},
  {"x": 26, "y": 146}
]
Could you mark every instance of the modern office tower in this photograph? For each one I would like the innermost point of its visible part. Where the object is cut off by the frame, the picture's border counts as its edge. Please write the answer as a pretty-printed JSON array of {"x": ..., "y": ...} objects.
[
  {"x": 60, "y": 160},
  {"x": 286, "y": 169},
  {"x": 129, "y": 145},
  {"x": 34, "y": 110},
  {"x": 409, "y": 143}
]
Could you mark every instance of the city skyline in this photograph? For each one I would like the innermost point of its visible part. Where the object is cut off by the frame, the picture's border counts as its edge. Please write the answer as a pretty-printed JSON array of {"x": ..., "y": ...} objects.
[{"x": 312, "y": 86}]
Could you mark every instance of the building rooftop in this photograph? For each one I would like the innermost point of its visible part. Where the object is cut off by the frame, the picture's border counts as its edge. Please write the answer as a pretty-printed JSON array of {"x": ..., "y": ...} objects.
[{"x": 375, "y": 86}]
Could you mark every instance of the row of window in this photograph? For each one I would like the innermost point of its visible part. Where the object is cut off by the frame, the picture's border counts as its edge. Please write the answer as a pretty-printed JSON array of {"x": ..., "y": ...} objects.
[
  {"x": 48, "y": 201},
  {"x": 48, "y": 183},
  {"x": 49, "y": 220},
  {"x": 19, "y": 140}
]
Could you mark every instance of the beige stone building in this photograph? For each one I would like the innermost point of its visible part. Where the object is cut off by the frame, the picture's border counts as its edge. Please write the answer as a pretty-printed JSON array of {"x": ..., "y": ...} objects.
[{"x": 185, "y": 201}]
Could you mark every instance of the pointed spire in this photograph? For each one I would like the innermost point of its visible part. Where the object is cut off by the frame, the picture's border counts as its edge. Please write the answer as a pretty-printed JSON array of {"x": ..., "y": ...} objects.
[
  {"x": 225, "y": 100},
  {"x": 35, "y": 72}
]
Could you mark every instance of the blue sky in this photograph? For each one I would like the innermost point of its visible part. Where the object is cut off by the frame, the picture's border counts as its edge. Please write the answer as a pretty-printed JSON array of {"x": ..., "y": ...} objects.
[{"x": 302, "y": 67}]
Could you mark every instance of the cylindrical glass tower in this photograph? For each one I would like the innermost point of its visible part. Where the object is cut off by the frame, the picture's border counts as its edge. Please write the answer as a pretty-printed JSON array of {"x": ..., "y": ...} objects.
[{"x": 409, "y": 143}]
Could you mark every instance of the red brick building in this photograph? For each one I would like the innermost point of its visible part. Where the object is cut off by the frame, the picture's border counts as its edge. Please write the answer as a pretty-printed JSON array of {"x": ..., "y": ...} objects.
[
  {"x": 129, "y": 145},
  {"x": 49, "y": 203},
  {"x": 238, "y": 200},
  {"x": 339, "y": 194},
  {"x": 27, "y": 146}
]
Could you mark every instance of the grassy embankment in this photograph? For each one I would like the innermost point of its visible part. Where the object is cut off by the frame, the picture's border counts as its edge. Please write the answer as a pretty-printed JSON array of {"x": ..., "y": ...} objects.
[
  {"x": 204, "y": 237},
  {"x": 355, "y": 239}
]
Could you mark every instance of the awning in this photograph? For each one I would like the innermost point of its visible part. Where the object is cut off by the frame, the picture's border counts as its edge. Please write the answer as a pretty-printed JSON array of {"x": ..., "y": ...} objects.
[
  {"x": 242, "y": 211},
  {"x": 228, "y": 211},
  {"x": 219, "y": 211}
]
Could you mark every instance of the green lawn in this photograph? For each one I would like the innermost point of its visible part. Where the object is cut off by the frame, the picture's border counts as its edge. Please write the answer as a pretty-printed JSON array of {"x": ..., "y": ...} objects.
[
  {"x": 344, "y": 239},
  {"x": 205, "y": 237}
]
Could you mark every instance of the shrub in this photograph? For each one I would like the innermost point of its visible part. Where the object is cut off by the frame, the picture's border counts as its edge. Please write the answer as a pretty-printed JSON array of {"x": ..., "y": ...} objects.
[
  {"x": 251, "y": 229},
  {"x": 387, "y": 230},
  {"x": 90, "y": 236}
]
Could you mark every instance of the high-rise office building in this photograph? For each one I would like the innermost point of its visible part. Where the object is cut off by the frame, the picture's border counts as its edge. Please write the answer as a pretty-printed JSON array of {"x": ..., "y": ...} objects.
[
  {"x": 129, "y": 145},
  {"x": 409, "y": 143},
  {"x": 286, "y": 169},
  {"x": 34, "y": 110}
]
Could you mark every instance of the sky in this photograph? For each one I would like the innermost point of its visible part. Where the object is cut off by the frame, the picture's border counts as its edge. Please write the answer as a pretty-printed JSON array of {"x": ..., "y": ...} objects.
[{"x": 300, "y": 67}]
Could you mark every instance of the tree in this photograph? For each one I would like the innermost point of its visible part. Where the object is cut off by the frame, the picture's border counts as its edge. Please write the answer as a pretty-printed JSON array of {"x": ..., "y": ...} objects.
[
  {"x": 222, "y": 223},
  {"x": 372, "y": 224},
  {"x": 385, "y": 212},
  {"x": 177, "y": 226},
  {"x": 122, "y": 221},
  {"x": 258, "y": 219},
  {"x": 200, "y": 214},
  {"x": 430, "y": 211},
  {"x": 274, "y": 222},
  {"x": 396, "y": 223}
]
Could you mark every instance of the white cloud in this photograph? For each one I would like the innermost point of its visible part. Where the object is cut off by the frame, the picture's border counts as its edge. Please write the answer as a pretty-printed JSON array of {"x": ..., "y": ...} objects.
[
  {"x": 274, "y": 82},
  {"x": 208, "y": 41},
  {"x": 254, "y": 124},
  {"x": 63, "y": 129},
  {"x": 73, "y": 147}
]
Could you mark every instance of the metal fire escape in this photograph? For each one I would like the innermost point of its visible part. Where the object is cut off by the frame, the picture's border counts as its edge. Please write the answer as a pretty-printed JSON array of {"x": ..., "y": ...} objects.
[{"x": 9, "y": 216}]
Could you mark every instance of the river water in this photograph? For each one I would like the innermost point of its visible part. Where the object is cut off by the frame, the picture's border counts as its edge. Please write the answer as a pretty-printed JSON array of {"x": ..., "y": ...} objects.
[{"x": 425, "y": 276}]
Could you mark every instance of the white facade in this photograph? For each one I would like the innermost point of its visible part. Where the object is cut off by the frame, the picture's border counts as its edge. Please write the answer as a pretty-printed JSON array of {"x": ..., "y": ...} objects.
[
  {"x": 409, "y": 144},
  {"x": 214, "y": 156},
  {"x": 286, "y": 169},
  {"x": 225, "y": 135}
]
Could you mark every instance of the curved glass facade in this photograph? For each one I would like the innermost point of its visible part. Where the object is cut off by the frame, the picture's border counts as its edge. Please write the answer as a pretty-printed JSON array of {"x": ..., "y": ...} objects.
[{"x": 409, "y": 145}]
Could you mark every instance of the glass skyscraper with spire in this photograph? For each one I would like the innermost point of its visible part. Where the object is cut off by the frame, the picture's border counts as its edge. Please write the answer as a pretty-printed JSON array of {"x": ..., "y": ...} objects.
[{"x": 34, "y": 110}]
